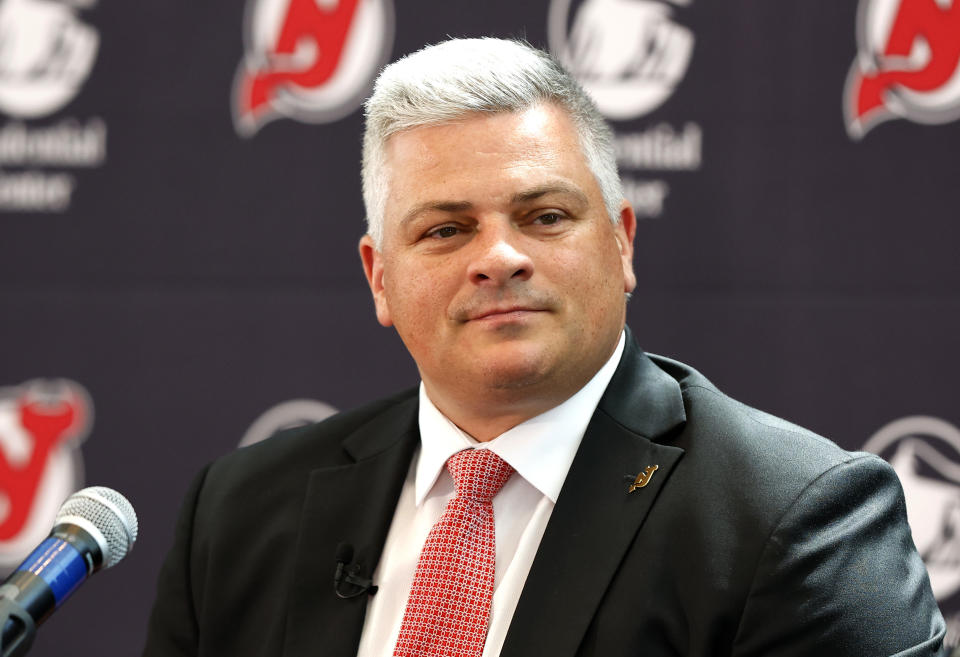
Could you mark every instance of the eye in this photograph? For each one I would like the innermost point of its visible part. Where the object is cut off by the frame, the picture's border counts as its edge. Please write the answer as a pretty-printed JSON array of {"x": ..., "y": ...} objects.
[
  {"x": 443, "y": 232},
  {"x": 549, "y": 218}
]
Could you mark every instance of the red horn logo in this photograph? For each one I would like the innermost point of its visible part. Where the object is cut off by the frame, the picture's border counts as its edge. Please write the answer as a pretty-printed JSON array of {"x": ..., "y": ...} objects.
[
  {"x": 907, "y": 66},
  {"x": 312, "y": 60},
  {"x": 41, "y": 424}
]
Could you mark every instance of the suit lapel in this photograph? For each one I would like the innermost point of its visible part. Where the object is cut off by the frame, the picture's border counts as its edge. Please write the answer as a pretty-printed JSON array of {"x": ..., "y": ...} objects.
[
  {"x": 596, "y": 518},
  {"x": 352, "y": 504}
]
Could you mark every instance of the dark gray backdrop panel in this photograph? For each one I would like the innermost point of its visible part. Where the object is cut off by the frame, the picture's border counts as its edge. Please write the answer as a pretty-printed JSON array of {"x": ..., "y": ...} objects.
[{"x": 199, "y": 277}]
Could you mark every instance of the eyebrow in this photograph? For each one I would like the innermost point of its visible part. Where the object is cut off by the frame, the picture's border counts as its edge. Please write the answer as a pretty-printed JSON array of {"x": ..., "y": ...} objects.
[
  {"x": 437, "y": 206},
  {"x": 520, "y": 197},
  {"x": 551, "y": 188}
]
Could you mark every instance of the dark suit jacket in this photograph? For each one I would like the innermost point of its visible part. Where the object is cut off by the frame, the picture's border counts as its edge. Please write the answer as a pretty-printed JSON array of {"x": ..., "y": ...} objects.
[{"x": 754, "y": 537}]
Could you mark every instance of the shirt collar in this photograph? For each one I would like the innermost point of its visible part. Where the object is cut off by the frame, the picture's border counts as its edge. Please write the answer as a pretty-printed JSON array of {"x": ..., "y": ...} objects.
[{"x": 540, "y": 449}]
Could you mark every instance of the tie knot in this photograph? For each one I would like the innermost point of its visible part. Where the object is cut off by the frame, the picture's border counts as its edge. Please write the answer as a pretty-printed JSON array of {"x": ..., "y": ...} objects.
[{"x": 478, "y": 474}]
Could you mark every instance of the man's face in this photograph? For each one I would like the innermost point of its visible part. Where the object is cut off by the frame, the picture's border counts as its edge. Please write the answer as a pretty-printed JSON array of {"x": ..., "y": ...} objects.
[{"x": 500, "y": 268}]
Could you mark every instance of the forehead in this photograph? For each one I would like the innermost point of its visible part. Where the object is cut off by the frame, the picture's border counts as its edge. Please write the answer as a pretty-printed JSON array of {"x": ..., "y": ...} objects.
[
  {"x": 543, "y": 126},
  {"x": 484, "y": 157}
]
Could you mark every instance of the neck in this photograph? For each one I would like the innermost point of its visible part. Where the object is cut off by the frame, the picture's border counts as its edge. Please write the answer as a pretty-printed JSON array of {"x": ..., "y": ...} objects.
[
  {"x": 486, "y": 420},
  {"x": 485, "y": 411}
]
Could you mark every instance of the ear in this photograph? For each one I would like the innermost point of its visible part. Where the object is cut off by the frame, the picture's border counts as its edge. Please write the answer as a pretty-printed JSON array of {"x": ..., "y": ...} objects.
[
  {"x": 625, "y": 231},
  {"x": 373, "y": 268}
]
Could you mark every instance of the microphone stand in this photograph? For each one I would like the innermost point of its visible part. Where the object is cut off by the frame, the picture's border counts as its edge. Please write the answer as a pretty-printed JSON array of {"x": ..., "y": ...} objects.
[{"x": 18, "y": 629}]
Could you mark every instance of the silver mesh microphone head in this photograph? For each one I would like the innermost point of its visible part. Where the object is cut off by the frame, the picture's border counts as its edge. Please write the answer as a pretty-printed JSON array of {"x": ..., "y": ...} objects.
[{"x": 107, "y": 516}]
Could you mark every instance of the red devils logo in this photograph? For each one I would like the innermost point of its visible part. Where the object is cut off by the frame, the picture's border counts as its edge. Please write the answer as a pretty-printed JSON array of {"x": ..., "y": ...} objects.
[
  {"x": 908, "y": 64},
  {"x": 41, "y": 424},
  {"x": 311, "y": 60}
]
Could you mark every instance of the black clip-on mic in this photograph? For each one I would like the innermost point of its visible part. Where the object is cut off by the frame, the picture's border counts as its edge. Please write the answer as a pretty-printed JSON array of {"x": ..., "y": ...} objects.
[{"x": 350, "y": 574}]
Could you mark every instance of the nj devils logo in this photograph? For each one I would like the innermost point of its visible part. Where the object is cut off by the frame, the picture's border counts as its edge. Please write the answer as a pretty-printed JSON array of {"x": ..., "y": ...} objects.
[
  {"x": 908, "y": 64},
  {"x": 41, "y": 425},
  {"x": 311, "y": 60}
]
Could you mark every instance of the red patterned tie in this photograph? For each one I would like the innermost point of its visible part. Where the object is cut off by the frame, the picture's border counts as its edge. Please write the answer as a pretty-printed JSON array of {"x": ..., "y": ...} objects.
[{"x": 449, "y": 603}]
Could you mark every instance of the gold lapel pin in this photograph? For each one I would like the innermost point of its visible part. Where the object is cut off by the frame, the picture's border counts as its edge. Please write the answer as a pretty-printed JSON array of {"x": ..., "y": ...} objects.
[{"x": 643, "y": 478}]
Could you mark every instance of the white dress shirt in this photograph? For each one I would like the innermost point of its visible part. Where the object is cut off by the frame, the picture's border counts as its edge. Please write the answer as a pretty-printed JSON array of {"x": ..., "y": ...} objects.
[{"x": 540, "y": 450}]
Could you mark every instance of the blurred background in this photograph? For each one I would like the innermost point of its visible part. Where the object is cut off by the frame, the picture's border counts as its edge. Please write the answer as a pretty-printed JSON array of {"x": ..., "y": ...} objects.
[{"x": 180, "y": 208}]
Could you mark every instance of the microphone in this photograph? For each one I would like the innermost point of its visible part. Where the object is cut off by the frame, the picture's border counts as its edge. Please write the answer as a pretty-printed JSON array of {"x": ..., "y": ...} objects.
[
  {"x": 94, "y": 529},
  {"x": 350, "y": 574}
]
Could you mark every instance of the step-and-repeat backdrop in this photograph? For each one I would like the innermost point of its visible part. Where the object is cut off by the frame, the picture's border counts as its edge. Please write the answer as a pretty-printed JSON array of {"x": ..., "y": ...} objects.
[{"x": 180, "y": 207}]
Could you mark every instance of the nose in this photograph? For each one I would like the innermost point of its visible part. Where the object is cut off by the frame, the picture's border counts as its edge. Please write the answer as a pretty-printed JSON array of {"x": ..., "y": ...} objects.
[{"x": 499, "y": 258}]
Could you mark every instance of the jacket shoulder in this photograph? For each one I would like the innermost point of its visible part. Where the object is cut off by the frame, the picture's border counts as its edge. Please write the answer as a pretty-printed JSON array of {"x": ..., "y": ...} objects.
[
  {"x": 731, "y": 424},
  {"x": 737, "y": 451},
  {"x": 300, "y": 449}
]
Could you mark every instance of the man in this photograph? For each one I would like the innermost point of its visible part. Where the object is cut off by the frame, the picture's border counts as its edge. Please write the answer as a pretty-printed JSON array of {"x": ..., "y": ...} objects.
[{"x": 639, "y": 510}]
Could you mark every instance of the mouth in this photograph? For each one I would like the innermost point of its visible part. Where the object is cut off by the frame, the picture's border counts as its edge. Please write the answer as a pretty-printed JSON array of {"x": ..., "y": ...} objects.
[
  {"x": 508, "y": 313},
  {"x": 486, "y": 309}
]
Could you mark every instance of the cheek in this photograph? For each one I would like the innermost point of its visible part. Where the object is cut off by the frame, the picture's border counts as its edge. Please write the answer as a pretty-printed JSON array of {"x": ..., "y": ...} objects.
[
  {"x": 591, "y": 273},
  {"x": 592, "y": 281},
  {"x": 416, "y": 299}
]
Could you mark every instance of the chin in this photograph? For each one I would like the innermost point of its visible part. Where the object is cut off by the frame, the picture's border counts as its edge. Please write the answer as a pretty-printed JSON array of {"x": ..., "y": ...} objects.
[
  {"x": 516, "y": 369},
  {"x": 514, "y": 381}
]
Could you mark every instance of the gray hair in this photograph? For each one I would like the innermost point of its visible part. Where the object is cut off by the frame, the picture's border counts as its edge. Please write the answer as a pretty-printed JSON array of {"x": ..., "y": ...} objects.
[{"x": 445, "y": 82}]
